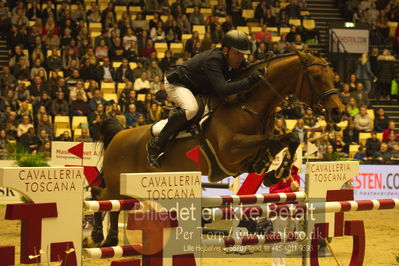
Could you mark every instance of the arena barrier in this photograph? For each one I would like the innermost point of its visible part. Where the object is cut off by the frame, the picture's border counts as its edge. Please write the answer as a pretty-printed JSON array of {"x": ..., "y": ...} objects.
[{"x": 67, "y": 249}]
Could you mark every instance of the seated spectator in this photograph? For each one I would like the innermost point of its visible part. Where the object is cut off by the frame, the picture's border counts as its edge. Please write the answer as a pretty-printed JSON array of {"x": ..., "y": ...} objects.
[
  {"x": 102, "y": 50},
  {"x": 41, "y": 110},
  {"x": 338, "y": 83},
  {"x": 29, "y": 140},
  {"x": 124, "y": 73},
  {"x": 142, "y": 85},
  {"x": 389, "y": 130},
  {"x": 60, "y": 87},
  {"x": 10, "y": 100},
  {"x": 293, "y": 9},
  {"x": 43, "y": 137},
  {"x": 297, "y": 44},
  {"x": 59, "y": 106},
  {"x": 339, "y": 145},
  {"x": 392, "y": 141},
  {"x": 155, "y": 85},
  {"x": 106, "y": 72},
  {"x": 351, "y": 134},
  {"x": 360, "y": 95},
  {"x": 361, "y": 154},
  {"x": 383, "y": 154},
  {"x": 154, "y": 71},
  {"x": 65, "y": 136},
  {"x": 87, "y": 71},
  {"x": 363, "y": 121},
  {"x": 51, "y": 40},
  {"x": 54, "y": 61},
  {"x": 310, "y": 120},
  {"x": 95, "y": 118},
  {"x": 36, "y": 88},
  {"x": 372, "y": 144},
  {"x": 114, "y": 111},
  {"x": 52, "y": 80},
  {"x": 21, "y": 94},
  {"x": 96, "y": 100},
  {"x": 197, "y": 18},
  {"x": 131, "y": 116},
  {"x": 91, "y": 56},
  {"x": 44, "y": 101},
  {"x": 25, "y": 111},
  {"x": 17, "y": 56},
  {"x": 279, "y": 128},
  {"x": 4, "y": 142},
  {"x": 264, "y": 35},
  {"x": 85, "y": 136},
  {"x": 154, "y": 114},
  {"x": 345, "y": 95},
  {"x": 117, "y": 52},
  {"x": 381, "y": 120},
  {"x": 352, "y": 108},
  {"x": 21, "y": 70},
  {"x": 12, "y": 126},
  {"x": 219, "y": 10},
  {"x": 260, "y": 52},
  {"x": 301, "y": 131},
  {"x": 77, "y": 89},
  {"x": 395, "y": 152},
  {"x": 7, "y": 76},
  {"x": 45, "y": 124},
  {"x": 260, "y": 11},
  {"x": 148, "y": 49},
  {"x": 79, "y": 106},
  {"x": 24, "y": 125}
]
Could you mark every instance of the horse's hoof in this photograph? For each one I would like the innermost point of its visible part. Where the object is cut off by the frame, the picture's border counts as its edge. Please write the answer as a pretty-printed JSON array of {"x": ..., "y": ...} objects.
[
  {"x": 270, "y": 179},
  {"x": 97, "y": 235},
  {"x": 112, "y": 240}
]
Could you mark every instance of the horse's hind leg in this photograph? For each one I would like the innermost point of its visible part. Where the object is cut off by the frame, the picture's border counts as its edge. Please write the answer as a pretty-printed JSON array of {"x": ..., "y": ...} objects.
[
  {"x": 112, "y": 237},
  {"x": 292, "y": 141},
  {"x": 97, "y": 234}
]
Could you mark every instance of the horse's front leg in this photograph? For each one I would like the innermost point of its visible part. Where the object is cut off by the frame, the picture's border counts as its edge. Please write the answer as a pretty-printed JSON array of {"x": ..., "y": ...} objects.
[{"x": 292, "y": 141}]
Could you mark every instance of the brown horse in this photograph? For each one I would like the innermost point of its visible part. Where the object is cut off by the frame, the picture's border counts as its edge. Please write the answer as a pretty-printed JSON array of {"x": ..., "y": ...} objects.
[{"x": 240, "y": 134}]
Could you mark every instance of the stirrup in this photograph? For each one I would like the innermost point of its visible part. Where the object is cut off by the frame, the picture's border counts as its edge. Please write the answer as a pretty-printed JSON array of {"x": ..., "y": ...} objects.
[{"x": 152, "y": 160}]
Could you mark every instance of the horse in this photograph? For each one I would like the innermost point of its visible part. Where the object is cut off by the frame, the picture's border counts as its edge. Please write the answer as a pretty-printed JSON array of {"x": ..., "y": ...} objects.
[{"x": 239, "y": 133}]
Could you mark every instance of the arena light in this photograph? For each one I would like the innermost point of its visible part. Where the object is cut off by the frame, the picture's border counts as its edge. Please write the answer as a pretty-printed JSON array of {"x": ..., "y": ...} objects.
[{"x": 349, "y": 25}]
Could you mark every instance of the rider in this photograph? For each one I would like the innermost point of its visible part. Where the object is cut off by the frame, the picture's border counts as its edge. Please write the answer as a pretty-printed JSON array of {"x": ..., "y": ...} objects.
[{"x": 205, "y": 73}]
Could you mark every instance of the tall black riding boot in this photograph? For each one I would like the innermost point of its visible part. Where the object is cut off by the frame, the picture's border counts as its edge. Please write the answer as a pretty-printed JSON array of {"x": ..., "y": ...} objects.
[{"x": 156, "y": 146}]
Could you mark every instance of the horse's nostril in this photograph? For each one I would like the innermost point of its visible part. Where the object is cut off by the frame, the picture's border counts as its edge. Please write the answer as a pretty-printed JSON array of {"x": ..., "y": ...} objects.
[{"x": 336, "y": 111}]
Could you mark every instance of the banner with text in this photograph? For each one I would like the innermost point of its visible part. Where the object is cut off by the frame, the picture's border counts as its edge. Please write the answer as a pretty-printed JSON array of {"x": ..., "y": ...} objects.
[
  {"x": 355, "y": 40},
  {"x": 92, "y": 154}
]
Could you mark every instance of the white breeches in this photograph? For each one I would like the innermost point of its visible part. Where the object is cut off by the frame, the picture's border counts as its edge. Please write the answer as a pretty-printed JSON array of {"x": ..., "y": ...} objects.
[{"x": 183, "y": 98}]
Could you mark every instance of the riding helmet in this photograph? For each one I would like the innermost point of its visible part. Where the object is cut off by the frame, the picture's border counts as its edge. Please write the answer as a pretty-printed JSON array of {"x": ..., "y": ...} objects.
[{"x": 238, "y": 40}]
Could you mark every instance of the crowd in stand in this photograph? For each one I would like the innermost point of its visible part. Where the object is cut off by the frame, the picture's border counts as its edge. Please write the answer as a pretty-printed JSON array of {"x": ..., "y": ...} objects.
[{"x": 56, "y": 68}]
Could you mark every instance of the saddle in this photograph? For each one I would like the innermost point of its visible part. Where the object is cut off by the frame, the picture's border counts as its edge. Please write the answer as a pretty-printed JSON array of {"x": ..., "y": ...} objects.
[{"x": 195, "y": 128}]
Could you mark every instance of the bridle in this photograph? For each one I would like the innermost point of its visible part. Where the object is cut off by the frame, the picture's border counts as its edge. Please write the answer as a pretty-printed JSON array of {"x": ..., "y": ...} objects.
[{"x": 316, "y": 98}]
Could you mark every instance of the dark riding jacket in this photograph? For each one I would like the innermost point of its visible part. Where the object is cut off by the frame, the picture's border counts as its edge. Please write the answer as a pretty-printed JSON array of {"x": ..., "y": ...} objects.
[{"x": 206, "y": 73}]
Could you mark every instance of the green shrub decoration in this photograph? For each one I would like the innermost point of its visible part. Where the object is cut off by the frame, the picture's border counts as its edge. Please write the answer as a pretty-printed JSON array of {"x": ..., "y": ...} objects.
[{"x": 24, "y": 158}]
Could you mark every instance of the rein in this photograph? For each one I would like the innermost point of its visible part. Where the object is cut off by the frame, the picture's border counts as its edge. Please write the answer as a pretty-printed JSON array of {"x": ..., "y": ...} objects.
[{"x": 316, "y": 97}]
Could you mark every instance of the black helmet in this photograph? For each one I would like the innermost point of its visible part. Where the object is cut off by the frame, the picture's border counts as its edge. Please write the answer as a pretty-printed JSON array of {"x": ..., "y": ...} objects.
[{"x": 238, "y": 40}]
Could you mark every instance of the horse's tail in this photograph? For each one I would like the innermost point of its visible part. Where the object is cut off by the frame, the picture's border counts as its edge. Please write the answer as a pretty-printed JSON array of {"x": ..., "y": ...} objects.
[{"x": 108, "y": 129}]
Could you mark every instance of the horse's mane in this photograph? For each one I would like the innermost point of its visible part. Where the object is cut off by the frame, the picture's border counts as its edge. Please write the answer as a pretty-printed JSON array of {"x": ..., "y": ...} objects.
[{"x": 265, "y": 62}]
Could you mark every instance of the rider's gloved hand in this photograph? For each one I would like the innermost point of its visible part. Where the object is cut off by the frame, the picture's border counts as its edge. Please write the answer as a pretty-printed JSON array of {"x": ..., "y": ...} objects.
[{"x": 256, "y": 76}]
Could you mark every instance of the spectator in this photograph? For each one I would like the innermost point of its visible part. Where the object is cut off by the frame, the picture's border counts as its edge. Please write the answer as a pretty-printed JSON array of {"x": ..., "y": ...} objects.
[
  {"x": 351, "y": 134},
  {"x": 206, "y": 43},
  {"x": 362, "y": 121},
  {"x": 131, "y": 116},
  {"x": 85, "y": 136},
  {"x": 4, "y": 142},
  {"x": 264, "y": 35},
  {"x": 42, "y": 136},
  {"x": 60, "y": 87},
  {"x": 117, "y": 51},
  {"x": 184, "y": 24},
  {"x": 337, "y": 82},
  {"x": 219, "y": 10},
  {"x": 167, "y": 61},
  {"x": 77, "y": 89},
  {"x": 35, "y": 69},
  {"x": 44, "y": 101},
  {"x": 30, "y": 141},
  {"x": 148, "y": 49},
  {"x": 154, "y": 114},
  {"x": 361, "y": 154},
  {"x": 8, "y": 77},
  {"x": 102, "y": 50},
  {"x": 113, "y": 111},
  {"x": 87, "y": 71},
  {"x": 297, "y": 44},
  {"x": 301, "y": 131},
  {"x": 34, "y": 11},
  {"x": 352, "y": 82},
  {"x": 383, "y": 154},
  {"x": 260, "y": 11},
  {"x": 154, "y": 71},
  {"x": 293, "y": 9},
  {"x": 392, "y": 141},
  {"x": 106, "y": 73},
  {"x": 345, "y": 95},
  {"x": 385, "y": 73},
  {"x": 96, "y": 100},
  {"x": 132, "y": 53},
  {"x": 65, "y": 136},
  {"x": 95, "y": 118},
  {"x": 10, "y": 100},
  {"x": 24, "y": 125},
  {"x": 142, "y": 85},
  {"x": 339, "y": 145},
  {"x": 363, "y": 72},
  {"x": 124, "y": 73},
  {"x": 78, "y": 107},
  {"x": 12, "y": 126},
  {"x": 372, "y": 144},
  {"x": 24, "y": 110},
  {"x": 59, "y": 106},
  {"x": 45, "y": 124},
  {"x": 352, "y": 108},
  {"x": 189, "y": 46},
  {"x": 21, "y": 94},
  {"x": 381, "y": 120},
  {"x": 37, "y": 88},
  {"x": 389, "y": 130},
  {"x": 197, "y": 18},
  {"x": 310, "y": 120},
  {"x": 279, "y": 128}
]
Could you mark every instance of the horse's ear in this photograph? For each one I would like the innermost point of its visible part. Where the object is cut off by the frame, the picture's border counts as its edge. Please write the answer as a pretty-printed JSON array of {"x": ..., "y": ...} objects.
[{"x": 306, "y": 58}]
